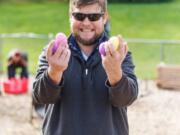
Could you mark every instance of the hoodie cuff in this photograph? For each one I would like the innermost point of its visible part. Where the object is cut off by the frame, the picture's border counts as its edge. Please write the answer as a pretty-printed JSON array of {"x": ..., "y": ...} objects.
[
  {"x": 51, "y": 83},
  {"x": 118, "y": 85}
]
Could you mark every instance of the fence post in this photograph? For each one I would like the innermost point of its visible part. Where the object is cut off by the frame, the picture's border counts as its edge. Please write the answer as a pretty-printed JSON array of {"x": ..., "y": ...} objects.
[{"x": 162, "y": 52}]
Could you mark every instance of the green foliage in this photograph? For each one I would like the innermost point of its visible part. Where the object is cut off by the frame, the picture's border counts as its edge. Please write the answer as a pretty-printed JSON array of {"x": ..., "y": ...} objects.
[
  {"x": 30, "y": 1},
  {"x": 138, "y": 1},
  {"x": 117, "y": 1}
]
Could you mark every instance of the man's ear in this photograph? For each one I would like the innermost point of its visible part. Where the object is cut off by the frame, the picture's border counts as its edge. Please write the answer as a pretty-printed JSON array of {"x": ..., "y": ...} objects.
[
  {"x": 70, "y": 17},
  {"x": 105, "y": 17}
]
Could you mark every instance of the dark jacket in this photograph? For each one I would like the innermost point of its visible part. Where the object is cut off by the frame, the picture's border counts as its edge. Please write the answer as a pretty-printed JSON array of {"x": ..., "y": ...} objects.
[{"x": 84, "y": 103}]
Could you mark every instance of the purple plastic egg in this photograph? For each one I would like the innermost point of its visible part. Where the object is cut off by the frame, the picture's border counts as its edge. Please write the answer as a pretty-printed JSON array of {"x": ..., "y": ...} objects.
[
  {"x": 60, "y": 39},
  {"x": 102, "y": 49}
]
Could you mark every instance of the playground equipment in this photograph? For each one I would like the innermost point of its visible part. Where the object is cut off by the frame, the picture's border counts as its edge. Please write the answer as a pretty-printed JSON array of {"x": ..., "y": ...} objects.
[{"x": 15, "y": 86}]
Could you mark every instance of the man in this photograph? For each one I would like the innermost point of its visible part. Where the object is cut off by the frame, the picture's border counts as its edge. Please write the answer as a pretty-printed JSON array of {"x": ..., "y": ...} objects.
[
  {"x": 17, "y": 59},
  {"x": 86, "y": 93}
]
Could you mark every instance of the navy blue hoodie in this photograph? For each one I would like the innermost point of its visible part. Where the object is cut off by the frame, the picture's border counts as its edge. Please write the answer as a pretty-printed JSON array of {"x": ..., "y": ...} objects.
[{"x": 84, "y": 103}]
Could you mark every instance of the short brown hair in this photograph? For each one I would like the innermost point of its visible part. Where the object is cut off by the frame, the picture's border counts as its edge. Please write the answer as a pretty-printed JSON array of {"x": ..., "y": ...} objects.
[{"x": 79, "y": 3}]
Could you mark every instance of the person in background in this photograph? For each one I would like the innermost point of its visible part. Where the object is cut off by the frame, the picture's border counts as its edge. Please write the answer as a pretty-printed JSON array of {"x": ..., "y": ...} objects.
[
  {"x": 17, "y": 59},
  {"x": 84, "y": 92}
]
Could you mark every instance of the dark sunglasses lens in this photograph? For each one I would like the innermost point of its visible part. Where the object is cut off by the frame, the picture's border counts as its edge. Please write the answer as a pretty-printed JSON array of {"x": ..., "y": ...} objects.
[
  {"x": 91, "y": 17},
  {"x": 94, "y": 17},
  {"x": 79, "y": 16}
]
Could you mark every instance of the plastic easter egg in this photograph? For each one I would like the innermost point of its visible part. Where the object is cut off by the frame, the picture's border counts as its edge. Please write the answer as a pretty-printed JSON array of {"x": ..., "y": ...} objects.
[
  {"x": 59, "y": 40},
  {"x": 102, "y": 49},
  {"x": 115, "y": 41}
]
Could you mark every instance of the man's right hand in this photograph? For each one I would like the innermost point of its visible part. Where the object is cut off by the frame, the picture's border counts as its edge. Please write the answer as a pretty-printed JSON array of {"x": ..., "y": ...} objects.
[{"x": 58, "y": 62}]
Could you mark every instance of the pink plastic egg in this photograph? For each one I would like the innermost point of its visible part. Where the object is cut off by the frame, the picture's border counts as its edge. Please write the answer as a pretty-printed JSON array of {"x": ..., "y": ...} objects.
[
  {"x": 59, "y": 40},
  {"x": 102, "y": 49}
]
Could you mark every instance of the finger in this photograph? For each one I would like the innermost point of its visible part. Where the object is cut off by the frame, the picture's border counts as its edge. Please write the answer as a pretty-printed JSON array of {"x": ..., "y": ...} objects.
[
  {"x": 67, "y": 56},
  {"x": 112, "y": 49},
  {"x": 125, "y": 48},
  {"x": 121, "y": 42},
  {"x": 59, "y": 51},
  {"x": 49, "y": 48},
  {"x": 64, "y": 54},
  {"x": 102, "y": 57},
  {"x": 107, "y": 49},
  {"x": 66, "y": 45}
]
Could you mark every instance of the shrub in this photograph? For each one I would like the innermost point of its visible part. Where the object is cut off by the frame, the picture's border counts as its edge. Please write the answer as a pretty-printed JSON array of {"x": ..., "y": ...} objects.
[{"x": 138, "y": 1}]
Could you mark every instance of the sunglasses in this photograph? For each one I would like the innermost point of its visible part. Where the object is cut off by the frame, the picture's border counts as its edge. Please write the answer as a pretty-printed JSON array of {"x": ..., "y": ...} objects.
[{"x": 92, "y": 17}]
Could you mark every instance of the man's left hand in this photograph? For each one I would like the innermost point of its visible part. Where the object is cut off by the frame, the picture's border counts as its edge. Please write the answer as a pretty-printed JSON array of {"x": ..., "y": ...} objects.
[{"x": 113, "y": 59}]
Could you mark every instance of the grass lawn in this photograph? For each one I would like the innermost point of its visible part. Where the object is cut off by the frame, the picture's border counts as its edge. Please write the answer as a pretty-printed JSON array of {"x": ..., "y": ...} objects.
[{"x": 149, "y": 21}]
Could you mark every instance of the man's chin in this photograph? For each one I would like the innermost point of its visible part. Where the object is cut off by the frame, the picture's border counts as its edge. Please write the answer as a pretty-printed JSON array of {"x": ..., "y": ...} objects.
[{"x": 86, "y": 42}]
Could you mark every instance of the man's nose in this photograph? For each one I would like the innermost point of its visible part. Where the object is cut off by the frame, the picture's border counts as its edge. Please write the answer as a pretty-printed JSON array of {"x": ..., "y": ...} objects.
[{"x": 86, "y": 21}]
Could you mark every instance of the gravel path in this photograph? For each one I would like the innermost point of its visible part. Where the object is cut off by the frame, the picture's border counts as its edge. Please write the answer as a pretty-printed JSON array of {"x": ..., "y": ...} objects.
[{"x": 156, "y": 112}]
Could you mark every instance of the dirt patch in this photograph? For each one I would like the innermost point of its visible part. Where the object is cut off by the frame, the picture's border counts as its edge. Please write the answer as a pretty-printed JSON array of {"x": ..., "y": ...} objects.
[
  {"x": 15, "y": 116},
  {"x": 154, "y": 113}
]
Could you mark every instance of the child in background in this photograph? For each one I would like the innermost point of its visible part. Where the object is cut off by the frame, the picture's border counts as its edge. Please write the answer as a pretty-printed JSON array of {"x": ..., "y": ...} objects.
[{"x": 17, "y": 59}]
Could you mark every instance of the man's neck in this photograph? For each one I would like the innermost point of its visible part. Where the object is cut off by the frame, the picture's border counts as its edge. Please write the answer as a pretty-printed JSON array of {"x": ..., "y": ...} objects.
[{"x": 86, "y": 49}]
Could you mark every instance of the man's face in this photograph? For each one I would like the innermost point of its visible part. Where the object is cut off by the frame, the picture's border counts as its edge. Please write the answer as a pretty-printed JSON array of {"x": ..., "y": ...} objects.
[{"x": 87, "y": 29}]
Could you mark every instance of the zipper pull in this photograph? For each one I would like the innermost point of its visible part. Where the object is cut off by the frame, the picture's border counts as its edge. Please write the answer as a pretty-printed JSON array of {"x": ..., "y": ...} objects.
[{"x": 86, "y": 70}]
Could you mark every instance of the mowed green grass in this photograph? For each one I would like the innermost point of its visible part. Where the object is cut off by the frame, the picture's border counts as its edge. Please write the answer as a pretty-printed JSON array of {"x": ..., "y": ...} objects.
[
  {"x": 149, "y": 21},
  {"x": 33, "y": 47}
]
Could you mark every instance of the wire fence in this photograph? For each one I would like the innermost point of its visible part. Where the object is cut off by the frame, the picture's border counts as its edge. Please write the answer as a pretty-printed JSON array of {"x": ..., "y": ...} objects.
[
  {"x": 147, "y": 53},
  {"x": 155, "y": 41},
  {"x": 31, "y": 43}
]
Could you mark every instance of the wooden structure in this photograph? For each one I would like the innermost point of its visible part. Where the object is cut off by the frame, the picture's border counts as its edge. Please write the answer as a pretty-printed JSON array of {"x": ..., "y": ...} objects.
[{"x": 168, "y": 76}]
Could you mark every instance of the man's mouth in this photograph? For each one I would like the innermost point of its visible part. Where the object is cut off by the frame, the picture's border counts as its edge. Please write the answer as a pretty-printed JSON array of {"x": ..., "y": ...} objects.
[{"x": 86, "y": 30}]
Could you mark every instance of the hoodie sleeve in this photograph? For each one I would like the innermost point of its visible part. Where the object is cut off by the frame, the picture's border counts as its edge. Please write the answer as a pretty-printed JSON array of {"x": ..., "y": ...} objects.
[
  {"x": 44, "y": 90},
  {"x": 126, "y": 90}
]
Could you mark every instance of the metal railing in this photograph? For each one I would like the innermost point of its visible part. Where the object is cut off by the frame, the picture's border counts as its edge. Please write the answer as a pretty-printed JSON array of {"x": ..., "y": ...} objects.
[
  {"x": 161, "y": 42},
  {"x": 50, "y": 36},
  {"x": 20, "y": 36}
]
